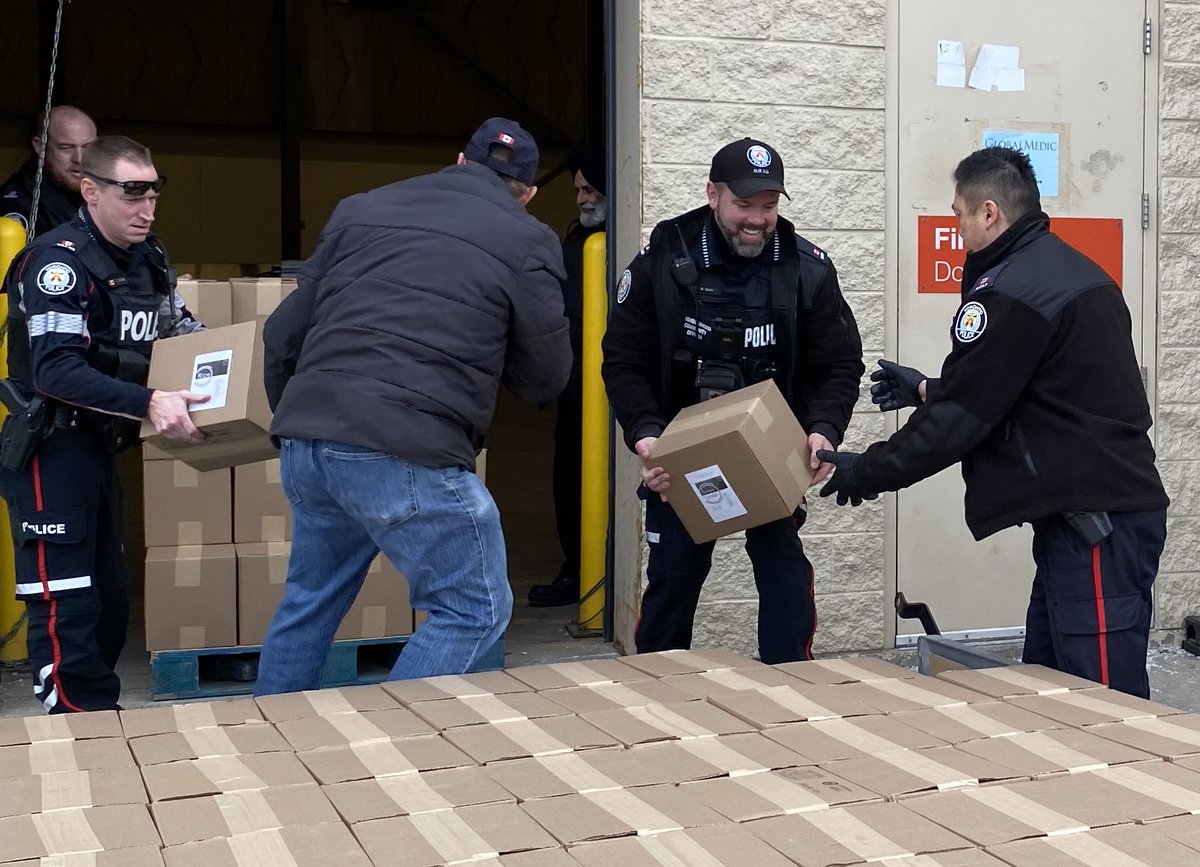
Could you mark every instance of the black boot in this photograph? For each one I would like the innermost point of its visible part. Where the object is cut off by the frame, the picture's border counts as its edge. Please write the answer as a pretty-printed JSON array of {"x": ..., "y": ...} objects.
[{"x": 563, "y": 590}]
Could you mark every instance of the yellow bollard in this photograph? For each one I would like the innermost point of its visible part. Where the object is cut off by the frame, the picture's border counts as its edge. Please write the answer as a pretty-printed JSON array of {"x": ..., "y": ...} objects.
[
  {"x": 594, "y": 491},
  {"x": 12, "y": 612}
]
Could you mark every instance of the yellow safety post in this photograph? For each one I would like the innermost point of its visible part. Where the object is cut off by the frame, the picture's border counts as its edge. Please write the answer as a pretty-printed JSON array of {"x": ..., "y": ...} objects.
[
  {"x": 12, "y": 612},
  {"x": 594, "y": 484}
]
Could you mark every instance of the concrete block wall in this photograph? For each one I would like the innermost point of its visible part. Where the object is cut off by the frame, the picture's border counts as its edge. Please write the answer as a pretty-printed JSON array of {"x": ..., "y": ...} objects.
[
  {"x": 1178, "y": 432},
  {"x": 809, "y": 78}
]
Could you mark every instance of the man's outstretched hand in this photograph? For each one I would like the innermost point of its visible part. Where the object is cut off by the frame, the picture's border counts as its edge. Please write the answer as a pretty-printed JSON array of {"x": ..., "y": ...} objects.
[{"x": 845, "y": 482}]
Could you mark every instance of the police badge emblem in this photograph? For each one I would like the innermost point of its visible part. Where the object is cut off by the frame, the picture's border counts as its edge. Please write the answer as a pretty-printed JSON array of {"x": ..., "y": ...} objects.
[
  {"x": 57, "y": 278},
  {"x": 972, "y": 319},
  {"x": 623, "y": 286}
]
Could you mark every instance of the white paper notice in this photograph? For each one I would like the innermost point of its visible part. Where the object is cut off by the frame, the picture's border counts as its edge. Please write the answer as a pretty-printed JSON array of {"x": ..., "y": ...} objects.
[
  {"x": 951, "y": 64},
  {"x": 998, "y": 65},
  {"x": 210, "y": 375},
  {"x": 715, "y": 493}
]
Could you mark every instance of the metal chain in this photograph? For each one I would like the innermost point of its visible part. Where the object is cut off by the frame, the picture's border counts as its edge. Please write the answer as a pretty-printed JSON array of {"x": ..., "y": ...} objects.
[
  {"x": 30, "y": 230},
  {"x": 12, "y": 633}
]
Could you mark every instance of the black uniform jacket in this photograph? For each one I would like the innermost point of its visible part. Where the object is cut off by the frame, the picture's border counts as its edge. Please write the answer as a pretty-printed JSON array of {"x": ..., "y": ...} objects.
[
  {"x": 820, "y": 384},
  {"x": 1040, "y": 398},
  {"x": 57, "y": 204}
]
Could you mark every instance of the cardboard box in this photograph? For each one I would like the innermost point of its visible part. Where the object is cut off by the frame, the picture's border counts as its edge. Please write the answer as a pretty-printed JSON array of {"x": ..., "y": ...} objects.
[
  {"x": 323, "y": 702},
  {"x": 1169, "y": 737},
  {"x": 494, "y": 742},
  {"x": 894, "y": 773},
  {"x": 833, "y": 740},
  {"x": 667, "y": 662},
  {"x": 1036, "y": 754},
  {"x": 1128, "y": 844},
  {"x": 325, "y": 845},
  {"x": 613, "y": 696},
  {"x": 382, "y": 607},
  {"x": 454, "y": 686},
  {"x": 825, "y": 838},
  {"x": 1087, "y": 707},
  {"x": 227, "y": 364},
  {"x": 210, "y": 301},
  {"x": 708, "y": 683},
  {"x": 64, "y": 832},
  {"x": 202, "y": 743},
  {"x": 140, "y": 856},
  {"x": 451, "y": 836},
  {"x": 737, "y": 461},
  {"x": 255, "y": 298},
  {"x": 778, "y": 793},
  {"x": 99, "y": 754},
  {"x": 535, "y": 858},
  {"x": 448, "y": 713},
  {"x": 59, "y": 727},
  {"x": 1182, "y": 829},
  {"x": 185, "y": 506},
  {"x": 363, "y": 761},
  {"x": 659, "y": 722},
  {"x": 58, "y": 790},
  {"x": 261, "y": 576},
  {"x": 241, "y": 812},
  {"x": 958, "y": 723},
  {"x": 1010, "y": 680},
  {"x": 720, "y": 844},
  {"x": 409, "y": 794},
  {"x": 216, "y": 775},
  {"x": 586, "y": 672},
  {"x": 621, "y": 812},
  {"x": 346, "y": 729},
  {"x": 780, "y": 705},
  {"x": 261, "y": 511},
  {"x": 589, "y": 771},
  {"x": 856, "y": 669},
  {"x": 191, "y": 596},
  {"x": 143, "y": 721}
]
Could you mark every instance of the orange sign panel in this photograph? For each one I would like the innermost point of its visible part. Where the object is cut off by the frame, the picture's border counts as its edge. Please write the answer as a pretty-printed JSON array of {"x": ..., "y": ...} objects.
[{"x": 940, "y": 252}]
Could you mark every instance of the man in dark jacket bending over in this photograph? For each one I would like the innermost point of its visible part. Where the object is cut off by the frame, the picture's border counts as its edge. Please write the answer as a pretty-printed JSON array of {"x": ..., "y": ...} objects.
[{"x": 383, "y": 369}]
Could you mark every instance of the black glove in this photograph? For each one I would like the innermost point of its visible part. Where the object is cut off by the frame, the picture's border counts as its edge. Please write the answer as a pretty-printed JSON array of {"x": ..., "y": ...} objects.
[
  {"x": 844, "y": 481},
  {"x": 896, "y": 386}
]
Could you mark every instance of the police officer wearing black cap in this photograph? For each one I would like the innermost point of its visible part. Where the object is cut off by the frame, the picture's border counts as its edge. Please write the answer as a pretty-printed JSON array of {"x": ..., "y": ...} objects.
[
  {"x": 86, "y": 302},
  {"x": 722, "y": 297}
]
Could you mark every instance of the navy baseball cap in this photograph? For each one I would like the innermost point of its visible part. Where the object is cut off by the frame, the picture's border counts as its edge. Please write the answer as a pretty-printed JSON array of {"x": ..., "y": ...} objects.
[
  {"x": 748, "y": 166},
  {"x": 505, "y": 147}
]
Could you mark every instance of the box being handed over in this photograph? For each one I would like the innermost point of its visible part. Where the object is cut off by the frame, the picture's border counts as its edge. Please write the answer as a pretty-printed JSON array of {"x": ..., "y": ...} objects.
[
  {"x": 227, "y": 365},
  {"x": 736, "y": 461}
]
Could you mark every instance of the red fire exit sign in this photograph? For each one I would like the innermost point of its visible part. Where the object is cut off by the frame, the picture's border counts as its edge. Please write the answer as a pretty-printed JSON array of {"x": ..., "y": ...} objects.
[{"x": 940, "y": 252}]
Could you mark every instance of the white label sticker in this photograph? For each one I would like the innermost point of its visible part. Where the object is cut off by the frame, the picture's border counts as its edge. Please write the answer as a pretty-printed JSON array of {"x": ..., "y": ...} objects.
[
  {"x": 715, "y": 493},
  {"x": 210, "y": 375}
]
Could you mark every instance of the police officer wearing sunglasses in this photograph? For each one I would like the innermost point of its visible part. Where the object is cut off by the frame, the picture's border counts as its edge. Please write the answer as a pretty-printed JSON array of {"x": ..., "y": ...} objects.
[{"x": 86, "y": 302}]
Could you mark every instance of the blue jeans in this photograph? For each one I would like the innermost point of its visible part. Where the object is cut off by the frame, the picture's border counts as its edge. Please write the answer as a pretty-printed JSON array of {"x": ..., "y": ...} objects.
[{"x": 440, "y": 527}]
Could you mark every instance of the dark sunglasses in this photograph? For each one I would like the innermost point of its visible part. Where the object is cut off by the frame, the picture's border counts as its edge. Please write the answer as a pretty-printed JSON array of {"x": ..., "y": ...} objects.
[{"x": 137, "y": 189}]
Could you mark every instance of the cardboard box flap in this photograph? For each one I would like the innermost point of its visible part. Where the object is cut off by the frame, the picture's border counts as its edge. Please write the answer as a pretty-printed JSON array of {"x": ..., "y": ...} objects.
[
  {"x": 1112, "y": 796},
  {"x": 836, "y": 739},
  {"x": 215, "y": 741},
  {"x": 1055, "y": 751},
  {"x": 454, "y": 686},
  {"x": 850, "y": 669},
  {"x": 241, "y": 812},
  {"x": 65, "y": 832},
  {"x": 60, "y": 790},
  {"x": 848, "y": 835},
  {"x": 383, "y": 758},
  {"x": 894, "y": 695},
  {"x": 215, "y": 775},
  {"x": 895, "y": 773},
  {"x": 658, "y": 722},
  {"x": 778, "y": 793},
  {"x": 586, "y": 672},
  {"x": 719, "y": 844},
  {"x": 1182, "y": 829},
  {"x": 620, "y": 812},
  {"x": 1086, "y": 707},
  {"x": 140, "y": 856},
  {"x": 447, "y": 713},
  {"x": 707, "y": 683},
  {"x": 612, "y": 696},
  {"x": 408, "y": 794},
  {"x": 1010, "y": 680},
  {"x": 667, "y": 662},
  {"x": 1171, "y": 737},
  {"x": 1130, "y": 845},
  {"x": 326, "y": 845},
  {"x": 323, "y": 702},
  {"x": 959, "y": 723},
  {"x": 49, "y": 756},
  {"x": 493, "y": 742},
  {"x": 143, "y": 721},
  {"x": 451, "y": 836},
  {"x": 59, "y": 727},
  {"x": 340, "y": 729},
  {"x": 779, "y": 705}
]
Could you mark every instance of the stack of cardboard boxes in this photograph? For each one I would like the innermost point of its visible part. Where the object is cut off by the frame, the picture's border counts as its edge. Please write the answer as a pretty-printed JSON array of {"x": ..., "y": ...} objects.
[
  {"x": 677, "y": 758},
  {"x": 218, "y": 526}
]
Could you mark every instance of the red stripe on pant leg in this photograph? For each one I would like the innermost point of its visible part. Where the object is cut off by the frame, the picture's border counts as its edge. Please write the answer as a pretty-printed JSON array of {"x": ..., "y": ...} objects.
[
  {"x": 812, "y": 595},
  {"x": 1101, "y": 620},
  {"x": 41, "y": 545},
  {"x": 62, "y": 696}
]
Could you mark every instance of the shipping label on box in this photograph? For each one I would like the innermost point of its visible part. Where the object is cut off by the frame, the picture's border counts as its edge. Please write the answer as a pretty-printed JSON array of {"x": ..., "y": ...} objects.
[
  {"x": 184, "y": 506},
  {"x": 227, "y": 365},
  {"x": 736, "y": 461},
  {"x": 191, "y": 596}
]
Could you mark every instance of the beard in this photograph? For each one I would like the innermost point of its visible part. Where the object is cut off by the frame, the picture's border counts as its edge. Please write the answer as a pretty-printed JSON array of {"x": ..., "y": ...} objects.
[
  {"x": 591, "y": 216},
  {"x": 740, "y": 246}
]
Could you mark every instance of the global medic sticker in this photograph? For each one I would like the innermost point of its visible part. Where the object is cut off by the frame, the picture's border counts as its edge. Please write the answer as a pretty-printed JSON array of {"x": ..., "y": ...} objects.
[
  {"x": 57, "y": 278},
  {"x": 758, "y": 156},
  {"x": 972, "y": 319},
  {"x": 623, "y": 286}
]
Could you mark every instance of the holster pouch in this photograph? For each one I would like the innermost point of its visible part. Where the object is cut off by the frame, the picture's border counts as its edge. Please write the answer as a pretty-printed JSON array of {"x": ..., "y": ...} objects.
[
  {"x": 24, "y": 429},
  {"x": 1092, "y": 527}
]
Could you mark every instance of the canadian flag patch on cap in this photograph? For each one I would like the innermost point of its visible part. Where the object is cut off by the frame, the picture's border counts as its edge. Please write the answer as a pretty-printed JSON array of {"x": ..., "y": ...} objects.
[{"x": 506, "y": 138}]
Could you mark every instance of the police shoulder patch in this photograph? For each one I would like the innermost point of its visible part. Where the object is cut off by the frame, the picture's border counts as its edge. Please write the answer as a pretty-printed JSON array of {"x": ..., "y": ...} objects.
[
  {"x": 971, "y": 322},
  {"x": 806, "y": 246},
  {"x": 57, "y": 278},
  {"x": 623, "y": 286}
]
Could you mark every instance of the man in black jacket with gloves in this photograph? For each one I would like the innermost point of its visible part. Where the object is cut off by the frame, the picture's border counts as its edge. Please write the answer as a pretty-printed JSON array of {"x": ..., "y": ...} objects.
[
  {"x": 1042, "y": 401},
  {"x": 722, "y": 297},
  {"x": 383, "y": 369}
]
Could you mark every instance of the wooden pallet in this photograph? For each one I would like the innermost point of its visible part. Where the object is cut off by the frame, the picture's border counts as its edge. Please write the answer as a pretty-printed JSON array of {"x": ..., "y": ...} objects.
[{"x": 222, "y": 671}]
